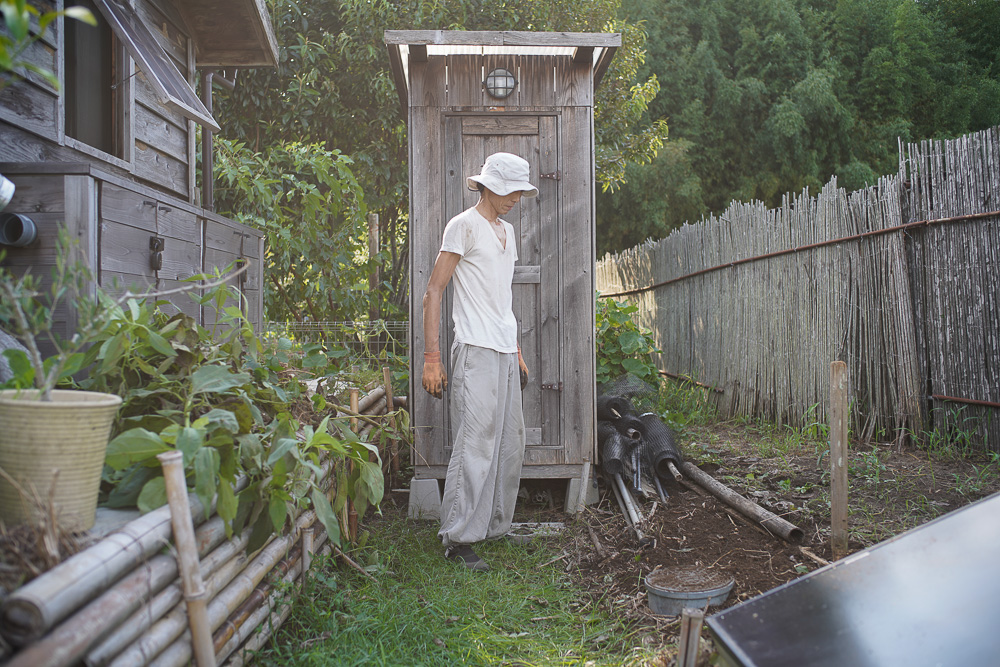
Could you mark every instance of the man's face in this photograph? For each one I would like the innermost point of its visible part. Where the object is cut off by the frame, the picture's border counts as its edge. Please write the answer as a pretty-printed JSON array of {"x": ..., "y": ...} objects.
[{"x": 502, "y": 204}]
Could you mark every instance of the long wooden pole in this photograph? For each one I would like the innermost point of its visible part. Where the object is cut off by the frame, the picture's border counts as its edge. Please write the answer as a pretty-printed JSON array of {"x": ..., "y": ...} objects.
[
  {"x": 352, "y": 514},
  {"x": 687, "y": 654},
  {"x": 187, "y": 557},
  {"x": 838, "y": 458}
]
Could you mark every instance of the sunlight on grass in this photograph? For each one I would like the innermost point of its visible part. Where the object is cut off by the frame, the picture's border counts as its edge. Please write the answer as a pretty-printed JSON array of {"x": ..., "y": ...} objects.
[{"x": 424, "y": 610}]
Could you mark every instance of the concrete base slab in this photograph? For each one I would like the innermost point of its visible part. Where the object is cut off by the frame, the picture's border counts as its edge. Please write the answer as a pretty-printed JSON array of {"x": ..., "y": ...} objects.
[{"x": 425, "y": 500}]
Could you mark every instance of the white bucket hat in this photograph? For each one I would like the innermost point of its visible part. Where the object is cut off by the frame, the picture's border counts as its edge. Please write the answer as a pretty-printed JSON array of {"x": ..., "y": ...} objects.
[{"x": 504, "y": 173}]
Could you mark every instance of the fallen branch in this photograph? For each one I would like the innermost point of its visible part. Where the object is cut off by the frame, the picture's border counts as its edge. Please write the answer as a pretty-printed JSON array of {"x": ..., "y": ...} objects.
[
  {"x": 808, "y": 552},
  {"x": 347, "y": 559}
]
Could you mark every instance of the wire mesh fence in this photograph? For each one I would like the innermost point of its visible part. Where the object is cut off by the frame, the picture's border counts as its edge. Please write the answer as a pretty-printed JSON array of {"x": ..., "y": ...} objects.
[{"x": 368, "y": 343}]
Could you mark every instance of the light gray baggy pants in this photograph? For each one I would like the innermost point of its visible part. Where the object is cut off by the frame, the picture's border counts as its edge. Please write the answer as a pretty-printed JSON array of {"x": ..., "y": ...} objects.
[{"x": 487, "y": 427}]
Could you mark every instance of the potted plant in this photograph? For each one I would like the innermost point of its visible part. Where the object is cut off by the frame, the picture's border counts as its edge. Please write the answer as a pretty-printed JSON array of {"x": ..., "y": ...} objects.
[{"x": 53, "y": 441}]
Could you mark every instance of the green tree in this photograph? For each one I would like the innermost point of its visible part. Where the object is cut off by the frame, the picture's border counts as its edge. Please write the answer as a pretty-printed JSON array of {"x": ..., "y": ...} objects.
[{"x": 333, "y": 86}]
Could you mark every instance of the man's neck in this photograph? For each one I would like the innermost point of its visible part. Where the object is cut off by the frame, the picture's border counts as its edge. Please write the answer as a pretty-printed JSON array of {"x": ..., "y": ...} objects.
[{"x": 487, "y": 211}]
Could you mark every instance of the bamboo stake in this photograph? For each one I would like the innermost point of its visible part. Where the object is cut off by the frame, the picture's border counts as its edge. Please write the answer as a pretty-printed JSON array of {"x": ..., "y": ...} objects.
[
  {"x": 307, "y": 552},
  {"x": 393, "y": 444},
  {"x": 179, "y": 652},
  {"x": 838, "y": 458},
  {"x": 187, "y": 557},
  {"x": 584, "y": 481},
  {"x": 352, "y": 513}
]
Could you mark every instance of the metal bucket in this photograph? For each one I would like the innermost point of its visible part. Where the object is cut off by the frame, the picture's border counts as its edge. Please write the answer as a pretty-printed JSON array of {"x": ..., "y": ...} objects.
[{"x": 672, "y": 589}]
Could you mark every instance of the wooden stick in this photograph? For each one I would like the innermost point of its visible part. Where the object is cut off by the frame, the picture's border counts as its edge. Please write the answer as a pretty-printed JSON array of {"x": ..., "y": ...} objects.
[
  {"x": 601, "y": 552},
  {"x": 393, "y": 444},
  {"x": 307, "y": 552},
  {"x": 809, "y": 553},
  {"x": 347, "y": 559},
  {"x": 748, "y": 508},
  {"x": 838, "y": 458},
  {"x": 352, "y": 513},
  {"x": 187, "y": 557},
  {"x": 687, "y": 654}
]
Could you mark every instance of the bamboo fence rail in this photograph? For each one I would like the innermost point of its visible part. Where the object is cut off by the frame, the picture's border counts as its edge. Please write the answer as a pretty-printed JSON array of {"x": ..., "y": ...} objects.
[
  {"x": 899, "y": 280},
  {"x": 120, "y": 602}
]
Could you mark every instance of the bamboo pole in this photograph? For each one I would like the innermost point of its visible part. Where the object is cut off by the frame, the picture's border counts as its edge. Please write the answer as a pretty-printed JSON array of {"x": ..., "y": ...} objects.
[
  {"x": 393, "y": 444},
  {"x": 187, "y": 557},
  {"x": 35, "y": 608},
  {"x": 307, "y": 552},
  {"x": 772, "y": 522},
  {"x": 368, "y": 400},
  {"x": 166, "y": 630},
  {"x": 352, "y": 513},
  {"x": 242, "y": 586},
  {"x": 838, "y": 458},
  {"x": 229, "y": 555},
  {"x": 265, "y": 626}
]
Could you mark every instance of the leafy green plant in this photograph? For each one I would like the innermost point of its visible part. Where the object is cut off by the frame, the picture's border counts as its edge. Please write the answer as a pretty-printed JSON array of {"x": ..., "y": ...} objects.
[
  {"x": 18, "y": 15},
  {"x": 226, "y": 402},
  {"x": 622, "y": 346}
]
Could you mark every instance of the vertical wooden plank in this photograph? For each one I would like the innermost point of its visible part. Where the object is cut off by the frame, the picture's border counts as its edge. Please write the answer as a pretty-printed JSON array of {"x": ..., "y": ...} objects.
[
  {"x": 465, "y": 81},
  {"x": 427, "y": 82},
  {"x": 81, "y": 225},
  {"x": 577, "y": 296},
  {"x": 426, "y": 225},
  {"x": 536, "y": 81},
  {"x": 550, "y": 251},
  {"x": 838, "y": 457},
  {"x": 574, "y": 84}
]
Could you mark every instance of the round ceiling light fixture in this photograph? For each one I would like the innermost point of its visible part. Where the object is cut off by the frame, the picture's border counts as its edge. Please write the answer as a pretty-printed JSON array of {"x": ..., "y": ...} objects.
[{"x": 500, "y": 83}]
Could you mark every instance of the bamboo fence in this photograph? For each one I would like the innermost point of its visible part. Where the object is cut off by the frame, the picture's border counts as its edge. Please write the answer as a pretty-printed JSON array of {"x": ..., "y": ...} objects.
[
  {"x": 899, "y": 280},
  {"x": 121, "y": 601}
]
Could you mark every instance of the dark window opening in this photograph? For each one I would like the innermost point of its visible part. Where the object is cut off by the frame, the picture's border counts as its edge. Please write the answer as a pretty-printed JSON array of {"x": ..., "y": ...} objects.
[{"x": 91, "y": 73}]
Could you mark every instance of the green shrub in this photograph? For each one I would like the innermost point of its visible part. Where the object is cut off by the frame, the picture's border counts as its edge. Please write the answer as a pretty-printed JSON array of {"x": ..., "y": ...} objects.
[{"x": 622, "y": 346}]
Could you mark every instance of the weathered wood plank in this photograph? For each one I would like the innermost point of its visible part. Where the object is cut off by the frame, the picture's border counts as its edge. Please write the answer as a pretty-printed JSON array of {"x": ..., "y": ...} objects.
[
  {"x": 465, "y": 81},
  {"x": 427, "y": 82},
  {"x": 153, "y": 129},
  {"x": 537, "y": 81},
  {"x": 500, "y": 125},
  {"x": 501, "y": 38},
  {"x": 31, "y": 108},
  {"x": 574, "y": 83},
  {"x": 550, "y": 236},
  {"x": 128, "y": 207},
  {"x": 158, "y": 167}
]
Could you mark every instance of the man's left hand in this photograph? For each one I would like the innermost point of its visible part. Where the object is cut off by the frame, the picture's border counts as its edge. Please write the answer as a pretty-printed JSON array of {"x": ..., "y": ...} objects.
[{"x": 524, "y": 370}]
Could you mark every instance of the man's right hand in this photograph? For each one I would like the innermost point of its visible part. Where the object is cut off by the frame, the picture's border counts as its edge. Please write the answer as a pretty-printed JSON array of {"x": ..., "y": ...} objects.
[{"x": 434, "y": 380}]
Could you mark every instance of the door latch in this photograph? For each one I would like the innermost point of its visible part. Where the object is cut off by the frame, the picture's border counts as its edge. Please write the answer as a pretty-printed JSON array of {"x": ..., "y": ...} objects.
[
  {"x": 553, "y": 386},
  {"x": 553, "y": 175}
]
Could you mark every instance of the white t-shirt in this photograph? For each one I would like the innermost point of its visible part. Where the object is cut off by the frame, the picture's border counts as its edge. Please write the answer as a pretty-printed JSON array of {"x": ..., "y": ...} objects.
[{"x": 482, "y": 310}]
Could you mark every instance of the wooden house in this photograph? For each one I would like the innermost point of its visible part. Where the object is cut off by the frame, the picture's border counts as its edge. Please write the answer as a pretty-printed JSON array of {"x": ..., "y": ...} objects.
[
  {"x": 466, "y": 95},
  {"x": 113, "y": 152}
]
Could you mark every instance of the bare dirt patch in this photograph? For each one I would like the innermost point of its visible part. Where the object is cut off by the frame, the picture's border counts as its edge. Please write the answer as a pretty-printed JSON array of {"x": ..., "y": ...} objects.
[{"x": 891, "y": 490}]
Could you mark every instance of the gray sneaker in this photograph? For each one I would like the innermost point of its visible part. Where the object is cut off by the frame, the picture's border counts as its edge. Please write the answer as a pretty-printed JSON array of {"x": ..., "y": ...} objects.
[{"x": 463, "y": 553}]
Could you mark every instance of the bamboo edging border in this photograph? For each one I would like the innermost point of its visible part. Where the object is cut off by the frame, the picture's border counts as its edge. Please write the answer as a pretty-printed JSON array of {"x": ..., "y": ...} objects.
[{"x": 99, "y": 606}]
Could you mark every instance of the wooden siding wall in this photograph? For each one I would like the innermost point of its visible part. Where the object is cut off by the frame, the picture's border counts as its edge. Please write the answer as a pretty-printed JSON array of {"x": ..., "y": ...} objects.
[
  {"x": 552, "y": 108},
  {"x": 159, "y": 142},
  {"x": 113, "y": 220},
  {"x": 914, "y": 313}
]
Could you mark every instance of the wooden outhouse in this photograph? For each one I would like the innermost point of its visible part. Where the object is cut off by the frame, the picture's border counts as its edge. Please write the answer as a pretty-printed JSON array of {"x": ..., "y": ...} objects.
[
  {"x": 466, "y": 95},
  {"x": 112, "y": 153}
]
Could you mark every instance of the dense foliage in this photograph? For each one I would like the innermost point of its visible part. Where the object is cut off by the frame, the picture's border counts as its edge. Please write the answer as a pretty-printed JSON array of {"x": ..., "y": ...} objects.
[
  {"x": 766, "y": 97},
  {"x": 234, "y": 408},
  {"x": 623, "y": 347},
  {"x": 333, "y": 86}
]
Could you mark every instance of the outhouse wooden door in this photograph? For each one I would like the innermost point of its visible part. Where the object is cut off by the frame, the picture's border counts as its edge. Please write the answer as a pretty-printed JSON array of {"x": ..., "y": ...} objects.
[{"x": 557, "y": 346}]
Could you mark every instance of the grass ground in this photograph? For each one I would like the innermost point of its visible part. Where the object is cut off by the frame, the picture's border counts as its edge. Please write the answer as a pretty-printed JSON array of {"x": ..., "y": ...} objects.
[{"x": 424, "y": 610}]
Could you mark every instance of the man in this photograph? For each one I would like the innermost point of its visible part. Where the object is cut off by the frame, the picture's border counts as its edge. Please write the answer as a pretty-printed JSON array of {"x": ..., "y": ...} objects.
[{"x": 488, "y": 372}]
